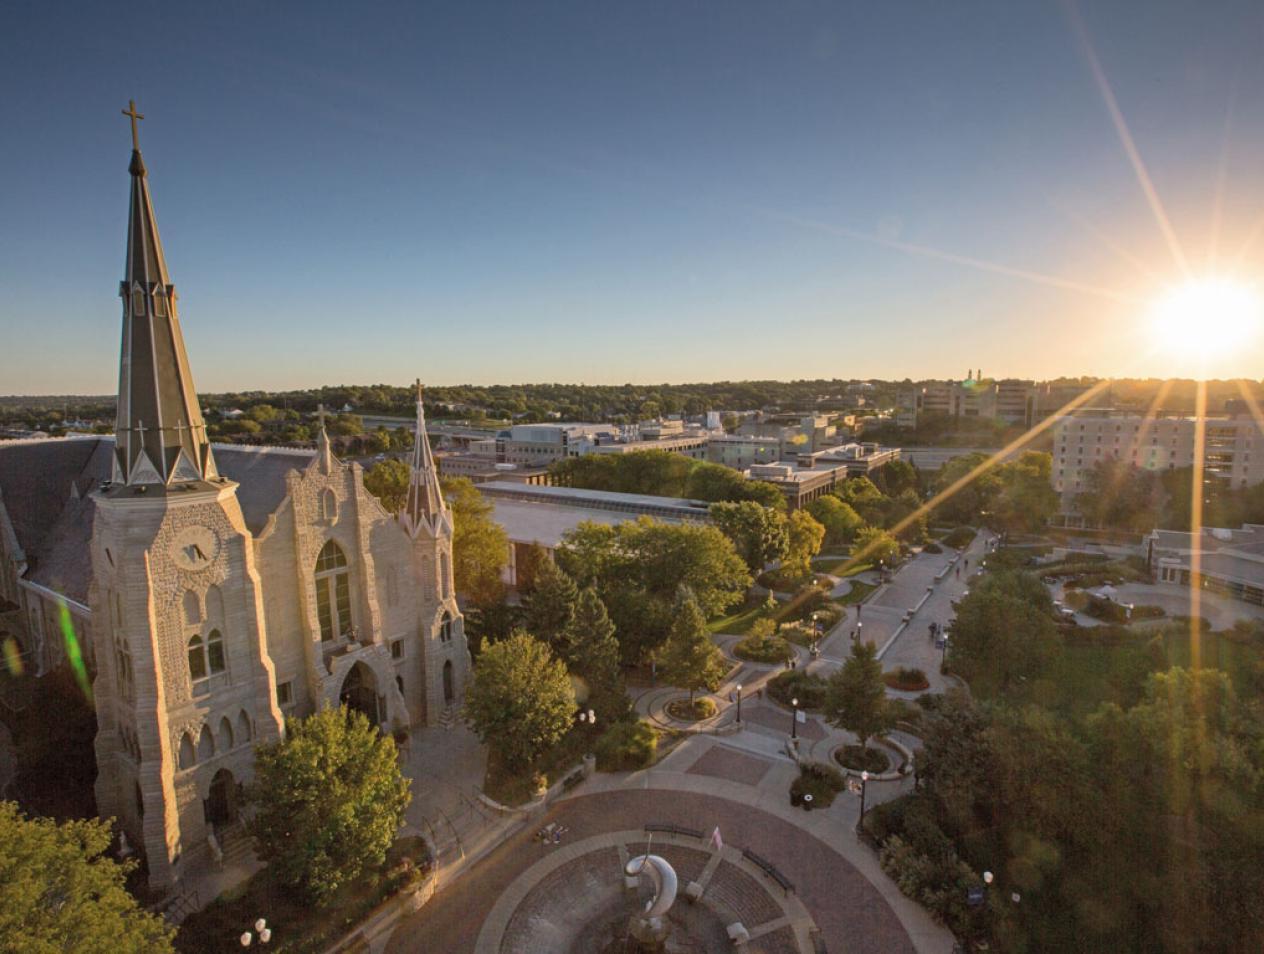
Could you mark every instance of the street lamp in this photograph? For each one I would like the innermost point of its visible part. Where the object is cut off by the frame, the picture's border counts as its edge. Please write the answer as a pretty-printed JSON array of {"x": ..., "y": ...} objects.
[
  {"x": 739, "y": 702},
  {"x": 590, "y": 716},
  {"x": 794, "y": 718},
  {"x": 943, "y": 659},
  {"x": 864, "y": 786},
  {"x": 262, "y": 929}
]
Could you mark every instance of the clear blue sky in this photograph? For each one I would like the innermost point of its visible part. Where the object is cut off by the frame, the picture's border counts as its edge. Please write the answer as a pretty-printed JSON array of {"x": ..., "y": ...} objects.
[{"x": 364, "y": 192}]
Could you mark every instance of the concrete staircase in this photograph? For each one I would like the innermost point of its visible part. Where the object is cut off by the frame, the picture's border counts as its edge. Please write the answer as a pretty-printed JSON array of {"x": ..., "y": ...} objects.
[{"x": 236, "y": 845}]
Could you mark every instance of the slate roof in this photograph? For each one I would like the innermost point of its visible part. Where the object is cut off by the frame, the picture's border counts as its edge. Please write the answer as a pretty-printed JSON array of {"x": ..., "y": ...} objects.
[{"x": 54, "y": 528}]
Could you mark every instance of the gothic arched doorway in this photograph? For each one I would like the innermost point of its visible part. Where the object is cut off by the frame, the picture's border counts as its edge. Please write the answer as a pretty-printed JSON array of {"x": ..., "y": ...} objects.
[
  {"x": 449, "y": 692},
  {"x": 359, "y": 693},
  {"x": 221, "y": 803}
]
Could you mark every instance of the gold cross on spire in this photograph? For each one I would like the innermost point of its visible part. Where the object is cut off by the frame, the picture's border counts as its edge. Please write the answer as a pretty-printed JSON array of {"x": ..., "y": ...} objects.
[{"x": 131, "y": 111}]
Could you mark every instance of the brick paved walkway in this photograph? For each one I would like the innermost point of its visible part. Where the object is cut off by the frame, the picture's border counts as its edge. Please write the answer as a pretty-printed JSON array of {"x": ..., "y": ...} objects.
[
  {"x": 851, "y": 913},
  {"x": 721, "y": 761}
]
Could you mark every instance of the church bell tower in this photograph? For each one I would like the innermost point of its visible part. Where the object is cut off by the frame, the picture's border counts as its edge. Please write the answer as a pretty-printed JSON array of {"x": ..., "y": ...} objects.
[{"x": 185, "y": 687}]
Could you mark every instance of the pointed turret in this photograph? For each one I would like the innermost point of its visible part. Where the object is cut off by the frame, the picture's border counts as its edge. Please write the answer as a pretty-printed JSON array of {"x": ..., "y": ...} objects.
[
  {"x": 425, "y": 506},
  {"x": 161, "y": 437}
]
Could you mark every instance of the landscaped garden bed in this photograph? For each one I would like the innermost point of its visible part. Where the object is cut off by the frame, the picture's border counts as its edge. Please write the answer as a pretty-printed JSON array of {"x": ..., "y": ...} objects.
[
  {"x": 763, "y": 646},
  {"x": 906, "y": 679},
  {"x": 869, "y": 759},
  {"x": 695, "y": 711},
  {"x": 820, "y": 781},
  {"x": 809, "y": 689}
]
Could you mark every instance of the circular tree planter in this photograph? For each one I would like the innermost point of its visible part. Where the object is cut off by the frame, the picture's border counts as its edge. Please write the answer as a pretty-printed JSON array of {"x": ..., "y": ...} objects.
[
  {"x": 697, "y": 711},
  {"x": 870, "y": 759},
  {"x": 906, "y": 680}
]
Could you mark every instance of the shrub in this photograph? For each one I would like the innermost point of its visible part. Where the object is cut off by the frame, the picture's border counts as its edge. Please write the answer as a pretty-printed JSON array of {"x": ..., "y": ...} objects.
[
  {"x": 626, "y": 746},
  {"x": 796, "y": 684},
  {"x": 820, "y": 781},
  {"x": 695, "y": 711},
  {"x": 762, "y": 646},
  {"x": 907, "y": 680},
  {"x": 959, "y": 537},
  {"x": 932, "y": 548},
  {"x": 862, "y": 760}
]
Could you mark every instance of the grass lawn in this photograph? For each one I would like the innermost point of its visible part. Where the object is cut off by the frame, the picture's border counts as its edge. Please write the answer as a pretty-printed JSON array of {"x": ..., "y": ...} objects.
[
  {"x": 859, "y": 590},
  {"x": 741, "y": 619},
  {"x": 833, "y": 565}
]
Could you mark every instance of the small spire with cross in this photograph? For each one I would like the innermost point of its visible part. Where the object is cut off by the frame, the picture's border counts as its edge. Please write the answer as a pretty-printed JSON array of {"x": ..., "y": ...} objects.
[{"x": 131, "y": 112}]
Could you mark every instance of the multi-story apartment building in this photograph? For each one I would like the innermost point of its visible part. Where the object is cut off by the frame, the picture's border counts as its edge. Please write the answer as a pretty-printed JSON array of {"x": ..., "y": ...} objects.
[
  {"x": 1232, "y": 448},
  {"x": 1011, "y": 401}
]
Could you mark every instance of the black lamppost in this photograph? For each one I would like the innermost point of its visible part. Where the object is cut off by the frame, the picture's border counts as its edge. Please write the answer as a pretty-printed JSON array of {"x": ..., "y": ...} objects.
[
  {"x": 864, "y": 787},
  {"x": 739, "y": 702},
  {"x": 794, "y": 718}
]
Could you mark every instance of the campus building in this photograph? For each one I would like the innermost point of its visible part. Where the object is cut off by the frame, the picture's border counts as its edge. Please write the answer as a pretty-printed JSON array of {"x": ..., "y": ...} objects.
[
  {"x": 1229, "y": 562},
  {"x": 1231, "y": 447},
  {"x": 214, "y": 591},
  {"x": 541, "y": 516}
]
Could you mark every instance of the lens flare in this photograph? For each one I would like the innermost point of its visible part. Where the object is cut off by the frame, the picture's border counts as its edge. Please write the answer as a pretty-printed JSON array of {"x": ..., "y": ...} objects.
[
  {"x": 1207, "y": 317},
  {"x": 74, "y": 655}
]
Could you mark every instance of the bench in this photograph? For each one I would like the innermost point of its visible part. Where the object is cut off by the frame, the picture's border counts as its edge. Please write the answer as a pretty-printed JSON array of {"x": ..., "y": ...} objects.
[
  {"x": 769, "y": 869},
  {"x": 572, "y": 780},
  {"x": 674, "y": 830}
]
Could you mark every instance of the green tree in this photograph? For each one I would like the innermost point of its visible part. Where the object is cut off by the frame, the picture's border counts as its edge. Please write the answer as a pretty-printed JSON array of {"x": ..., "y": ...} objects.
[
  {"x": 480, "y": 547},
  {"x": 898, "y": 476},
  {"x": 856, "y": 698},
  {"x": 388, "y": 482},
  {"x": 974, "y": 496},
  {"x": 595, "y": 656},
  {"x": 329, "y": 800},
  {"x": 840, "y": 520},
  {"x": 520, "y": 701},
  {"x": 873, "y": 545},
  {"x": 863, "y": 496},
  {"x": 550, "y": 610},
  {"x": 689, "y": 659},
  {"x": 530, "y": 559},
  {"x": 804, "y": 536},
  {"x": 758, "y": 533},
  {"x": 999, "y": 636},
  {"x": 636, "y": 567},
  {"x": 1027, "y": 499},
  {"x": 59, "y": 891}
]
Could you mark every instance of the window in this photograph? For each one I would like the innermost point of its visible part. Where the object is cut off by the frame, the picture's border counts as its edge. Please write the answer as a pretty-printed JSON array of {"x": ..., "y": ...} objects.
[
  {"x": 445, "y": 628},
  {"x": 138, "y": 302},
  {"x": 285, "y": 693},
  {"x": 206, "y": 658},
  {"x": 160, "y": 302},
  {"x": 215, "y": 651},
  {"x": 328, "y": 505},
  {"x": 243, "y": 727},
  {"x": 333, "y": 592},
  {"x": 197, "y": 659},
  {"x": 397, "y": 649}
]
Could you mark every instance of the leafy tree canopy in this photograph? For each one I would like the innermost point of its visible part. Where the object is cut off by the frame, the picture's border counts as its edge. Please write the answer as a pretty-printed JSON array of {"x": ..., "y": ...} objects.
[
  {"x": 329, "y": 800},
  {"x": 60, "y": 892},
  {"x": 521, "y": 701}
]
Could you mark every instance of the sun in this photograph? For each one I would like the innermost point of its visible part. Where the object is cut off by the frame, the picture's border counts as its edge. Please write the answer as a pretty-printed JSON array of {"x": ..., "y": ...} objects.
[{"x": 1207, "y": 317}]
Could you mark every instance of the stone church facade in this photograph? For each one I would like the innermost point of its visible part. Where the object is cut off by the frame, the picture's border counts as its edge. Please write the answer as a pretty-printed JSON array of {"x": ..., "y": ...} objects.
[{"x": 215, "y": 591}]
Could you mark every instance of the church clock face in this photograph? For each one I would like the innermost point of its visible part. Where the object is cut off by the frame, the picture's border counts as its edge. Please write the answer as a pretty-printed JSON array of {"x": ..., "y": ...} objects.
[{"x": 194, "y": 548}]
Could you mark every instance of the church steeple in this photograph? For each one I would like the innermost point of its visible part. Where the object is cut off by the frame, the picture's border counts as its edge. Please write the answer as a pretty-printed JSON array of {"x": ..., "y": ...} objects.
[
  {"x": 424, "y": 507},
  {"x": 160, "y": 434}
]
